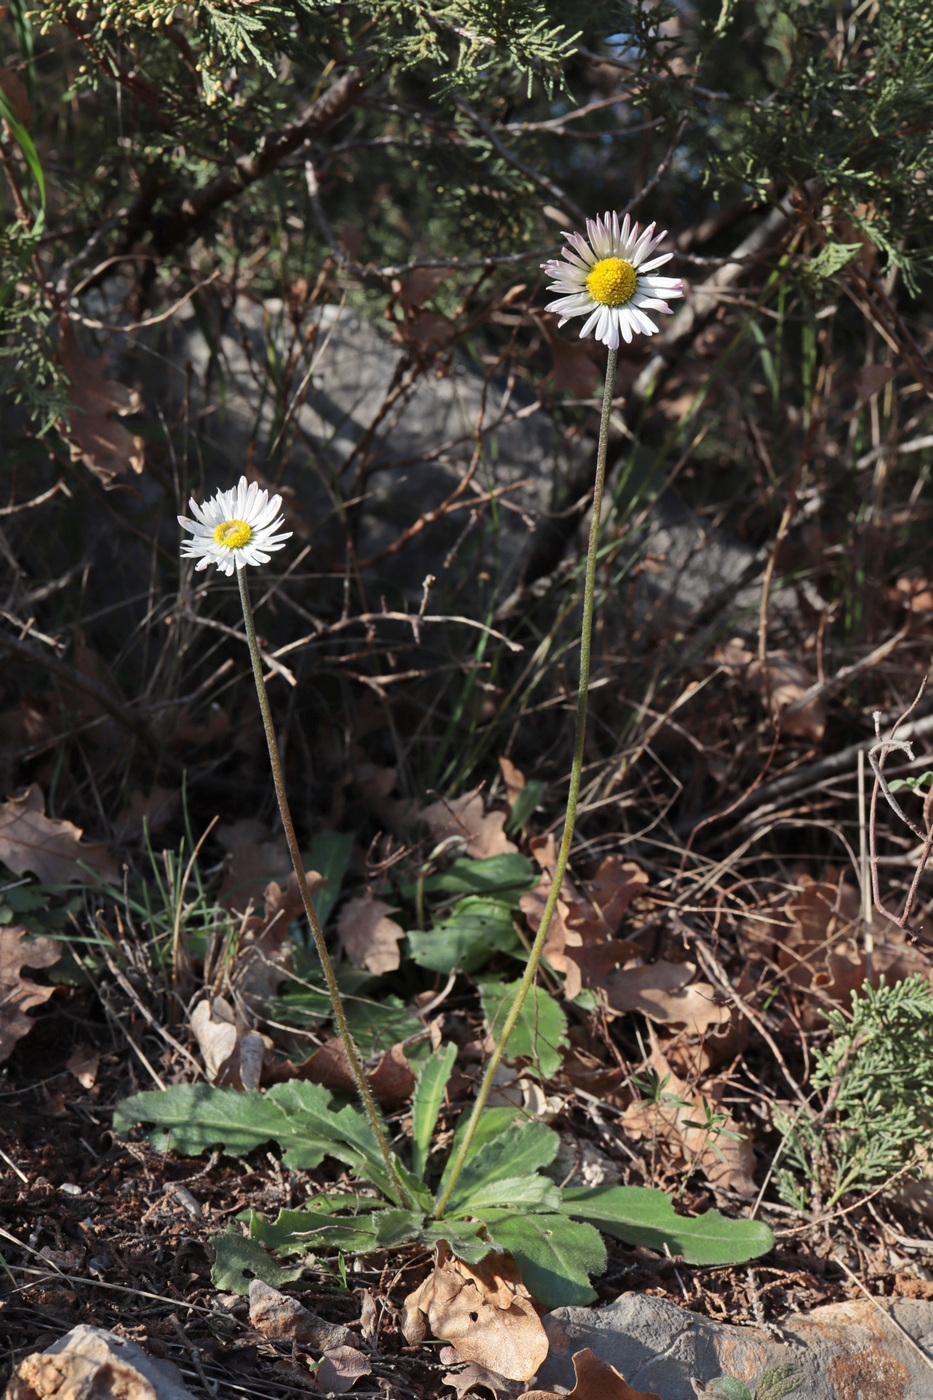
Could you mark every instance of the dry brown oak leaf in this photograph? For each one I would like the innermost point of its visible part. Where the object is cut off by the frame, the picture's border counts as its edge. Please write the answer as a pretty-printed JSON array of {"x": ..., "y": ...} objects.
[
  {"x": 784, "y": 682},
  {"x": 666, "y": 992},
  {"x": 18, "y": 993},
  {"x": 233, "y": 1054},
  {"x": 595, "y": 1380},
  {"x": 104, "y": 446},
  {"x": 52, "y": 850},
  {"x": 264, "y": 953},
  {"x": 369, "y": 937},
  {"x": 391, "y": 1078},
  {"x": 484, "y": 1312},
  {"x": 724, "y": 1155},
  {"x": 581, "y": 941},
  {"x": 461, "y": 820}
]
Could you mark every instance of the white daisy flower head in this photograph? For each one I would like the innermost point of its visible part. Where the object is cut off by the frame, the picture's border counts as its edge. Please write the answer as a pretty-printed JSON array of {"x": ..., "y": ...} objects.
[
  {"x": 611, "y": 278},
  {"x": 234, "y": 528}
]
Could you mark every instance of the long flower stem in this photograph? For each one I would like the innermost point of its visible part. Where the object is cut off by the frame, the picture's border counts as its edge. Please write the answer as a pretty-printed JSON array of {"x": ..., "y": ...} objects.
[
  {"x": 576, "y": 771},
  {"x": 340, "y": 1016}
]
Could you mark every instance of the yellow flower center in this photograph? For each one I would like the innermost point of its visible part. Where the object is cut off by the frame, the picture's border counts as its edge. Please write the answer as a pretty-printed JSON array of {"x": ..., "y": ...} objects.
[
  {"x": 233, "y": 533},
  {"x": 612, "y": 282}
]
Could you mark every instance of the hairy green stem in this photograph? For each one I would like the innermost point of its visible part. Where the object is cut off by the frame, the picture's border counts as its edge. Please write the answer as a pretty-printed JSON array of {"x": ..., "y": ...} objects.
[
  {"x": 576, "y": 771},
  {"x": 340, "y": 1016}
]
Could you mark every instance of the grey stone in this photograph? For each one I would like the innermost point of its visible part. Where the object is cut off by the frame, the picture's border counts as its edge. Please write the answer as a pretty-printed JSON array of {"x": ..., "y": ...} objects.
[
  {"x": 373, "y": 441},
  {"x": 368, "y": 427},
  {"x": 862, "y": 1350},
  {"x": 90, "y": 1363},
  {"x": 368, "y": 433}
]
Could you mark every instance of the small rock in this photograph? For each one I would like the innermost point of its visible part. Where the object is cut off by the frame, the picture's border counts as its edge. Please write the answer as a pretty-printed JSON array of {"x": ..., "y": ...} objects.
[
  {"x": 845, "y": 1351},
  {"x": 90, "y": 1363}
]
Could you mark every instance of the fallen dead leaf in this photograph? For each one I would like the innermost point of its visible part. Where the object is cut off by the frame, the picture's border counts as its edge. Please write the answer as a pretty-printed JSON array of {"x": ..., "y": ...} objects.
[
  {"x": 615, "y": 885},
  {"x": 474, "y": 1375},
  {"x": 14, "y": 90},
  {"x": 264, "y": 951},
  {"x": 391, "y": 1079},
  {"x": 573, "y": 365},
  {"x": 822, "y": 951},
  {"x": 784, "y": 681},
  {"x": 101, "y": 732},
  {"x": 276, "y": 1315},
  {"x": 185, "y": 732},
  {"x": 418, "y": 287},
  {"x": 595, "y": 1380},
  {"x": 340, "y": 1369},
  {"x": 233, "y": 1054},
  {"x": 560, "y": 937},
  {"x": 667, "y": 993},
  {"x": 253, "y": 858},
  {"x": 462, "y": 820},
  {"x": 18, "y": 993},
  {"x": 724, "y": 1155},
  {"x": 370, "y": 938},
  {"x": 424, "y": 328},
  {"x": 105, "y": 446},
  {"x": 580, "y": 941},
  {"x": 484, "y": 1312},
  {"x": 872, "y": 378},
  {"x": 49, "y": 849},
  {"x": 513, "y": 778},
  {"x": 84, "y": 1063},
  {"x": 147, "y": 811}
]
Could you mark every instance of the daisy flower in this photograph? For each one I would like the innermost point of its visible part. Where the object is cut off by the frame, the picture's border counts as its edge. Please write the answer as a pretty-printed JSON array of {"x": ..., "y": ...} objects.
[
  {"x": 234, "y": 528},
  {"x": 610, "y": 277}
]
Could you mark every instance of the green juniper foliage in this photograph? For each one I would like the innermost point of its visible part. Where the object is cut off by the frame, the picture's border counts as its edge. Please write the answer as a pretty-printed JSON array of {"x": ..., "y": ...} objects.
[
  {"x": 178, "y": 139},
  {"x": 876, "y": 1078}
]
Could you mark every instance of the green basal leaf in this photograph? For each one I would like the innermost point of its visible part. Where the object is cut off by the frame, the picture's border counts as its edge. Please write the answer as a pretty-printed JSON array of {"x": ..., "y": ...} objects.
[
  {"x": 238, "y": 1259},
  {"x": 378, "y": 1025},
  {"x": 509, "y": 874},
  {"x": 426, "y": 1104},
  {"x": 464, "y": 1240},
  {"x": 527, "y": 1192},
  {"x": 520, "y": 1149},
  {"x": 300, "y": 1117},
  {"x": 779, "y": 1381},
  {"x": 729, "y": 1388},
  {"x": 397, "y": 1227},
  {"x": 193, "y": 1118},
  {"x": 541, "y": 1029},
  {"x": 420, "y": 1193},
  {"x": 320, "y": 1225},
  {"x": 477, "y": 927},
  {"x": 308, "y": 1107},
  {"x": 524, "y": 805},
  {"x": 329, "y": 856},
  {"x": 644, "y": 1215},
  {"x": 556, "y": 1256},
  {"x": 492, "y": 1122}
]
